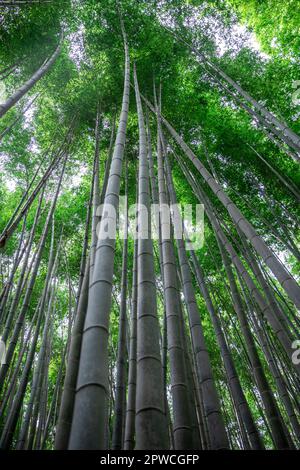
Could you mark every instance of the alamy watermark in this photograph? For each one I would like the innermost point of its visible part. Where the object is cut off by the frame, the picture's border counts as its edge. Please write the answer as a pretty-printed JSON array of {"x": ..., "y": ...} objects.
[
  {"x": 2, "y": 352},
  {"x": 296, "y": 93},
  {"x": 2, "y": 92},
  {"x": 182, "y": 221},
  {"x": 296, "y": 353}
]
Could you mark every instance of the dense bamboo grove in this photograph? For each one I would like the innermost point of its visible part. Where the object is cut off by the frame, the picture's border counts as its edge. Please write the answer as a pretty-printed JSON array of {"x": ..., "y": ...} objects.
[{"x": 117, "y": 333}]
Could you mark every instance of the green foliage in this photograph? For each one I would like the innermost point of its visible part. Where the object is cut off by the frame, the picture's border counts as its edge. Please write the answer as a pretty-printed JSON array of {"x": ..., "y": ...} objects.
[{"x": 89, "y": 72}]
